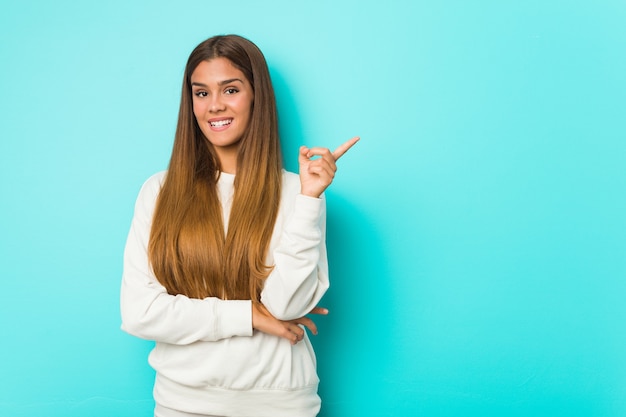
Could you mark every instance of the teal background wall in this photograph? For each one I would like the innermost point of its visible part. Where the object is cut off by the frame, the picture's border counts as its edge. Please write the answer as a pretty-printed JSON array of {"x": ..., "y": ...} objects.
[{"x": 477, "y": 233}]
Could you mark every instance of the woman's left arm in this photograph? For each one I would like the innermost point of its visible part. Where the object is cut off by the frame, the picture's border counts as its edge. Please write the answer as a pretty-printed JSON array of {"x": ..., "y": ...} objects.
[{"x": 300, "y": 275}]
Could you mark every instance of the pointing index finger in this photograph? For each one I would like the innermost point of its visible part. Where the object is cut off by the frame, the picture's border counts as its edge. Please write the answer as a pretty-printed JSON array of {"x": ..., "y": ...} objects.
[{"x": 338, "y": 153}]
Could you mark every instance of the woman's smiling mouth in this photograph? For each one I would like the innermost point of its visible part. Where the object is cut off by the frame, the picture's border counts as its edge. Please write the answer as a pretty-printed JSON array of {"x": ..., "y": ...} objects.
[{"x": 220, "y": 123}]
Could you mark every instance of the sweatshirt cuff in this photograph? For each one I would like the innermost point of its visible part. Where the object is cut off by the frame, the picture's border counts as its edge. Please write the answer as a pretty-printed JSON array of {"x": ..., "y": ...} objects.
[
  {"x": 308, "y": 208},
  {"x": 235, "y": 318}
]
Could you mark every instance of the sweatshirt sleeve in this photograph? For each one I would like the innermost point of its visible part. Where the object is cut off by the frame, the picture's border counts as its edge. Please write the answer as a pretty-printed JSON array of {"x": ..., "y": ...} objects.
[
  {"x": 300, "y": 275},
  {"x": 149, "y": 312}
]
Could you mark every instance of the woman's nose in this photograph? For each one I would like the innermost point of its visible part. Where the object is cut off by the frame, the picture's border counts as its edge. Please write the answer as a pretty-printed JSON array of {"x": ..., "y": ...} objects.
[{"x": 216, "y": 105}]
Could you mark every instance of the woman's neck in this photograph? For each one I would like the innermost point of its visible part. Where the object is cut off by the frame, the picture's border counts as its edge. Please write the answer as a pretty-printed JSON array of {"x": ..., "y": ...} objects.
[{"x": 228, "y": 159}]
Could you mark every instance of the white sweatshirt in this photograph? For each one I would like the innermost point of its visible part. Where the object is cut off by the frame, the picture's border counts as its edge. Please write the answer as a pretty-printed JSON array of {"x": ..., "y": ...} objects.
[{"x": 208, "y": 359}]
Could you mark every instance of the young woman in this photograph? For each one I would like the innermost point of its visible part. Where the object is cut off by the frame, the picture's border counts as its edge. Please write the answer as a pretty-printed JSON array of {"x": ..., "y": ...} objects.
[{"x": 226, "y": 252}]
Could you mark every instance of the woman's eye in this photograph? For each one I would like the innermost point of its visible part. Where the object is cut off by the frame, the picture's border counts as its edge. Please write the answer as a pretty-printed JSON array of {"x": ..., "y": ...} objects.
[
  {"x": 231, "y": 91},
  {"x": 201, "y": 93}
]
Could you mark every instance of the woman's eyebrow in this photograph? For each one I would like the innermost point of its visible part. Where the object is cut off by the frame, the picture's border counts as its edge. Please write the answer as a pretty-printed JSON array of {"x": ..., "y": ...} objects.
[{"x": 231, "y": 80}]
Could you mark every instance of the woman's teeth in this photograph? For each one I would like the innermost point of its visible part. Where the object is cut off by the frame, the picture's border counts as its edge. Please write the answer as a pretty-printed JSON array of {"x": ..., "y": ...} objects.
[{"x": 221, "y": 123}]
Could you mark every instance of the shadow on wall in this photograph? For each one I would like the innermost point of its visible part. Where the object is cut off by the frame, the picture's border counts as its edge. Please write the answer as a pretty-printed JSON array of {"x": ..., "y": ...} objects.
[
  {"x": 289, "y": 121},
  {"x": 356, "y": 336}
]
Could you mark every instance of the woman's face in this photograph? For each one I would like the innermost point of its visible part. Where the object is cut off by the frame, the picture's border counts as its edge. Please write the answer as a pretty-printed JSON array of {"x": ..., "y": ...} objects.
[{"x": 222, "y": 103}]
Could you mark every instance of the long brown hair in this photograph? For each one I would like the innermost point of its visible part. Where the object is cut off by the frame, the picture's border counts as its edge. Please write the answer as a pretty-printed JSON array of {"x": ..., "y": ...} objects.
[{"x": 189, "y": 252}]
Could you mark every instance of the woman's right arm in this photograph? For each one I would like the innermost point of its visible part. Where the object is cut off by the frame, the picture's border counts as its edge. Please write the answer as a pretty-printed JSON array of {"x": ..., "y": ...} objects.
[{"x": 149, "y": 312}]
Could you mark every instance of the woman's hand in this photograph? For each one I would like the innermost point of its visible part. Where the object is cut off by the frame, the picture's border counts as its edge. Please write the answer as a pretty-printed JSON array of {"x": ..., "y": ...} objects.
[
  {"x": 264, "y": 322},
  {"x": 317, "y": 174}
]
